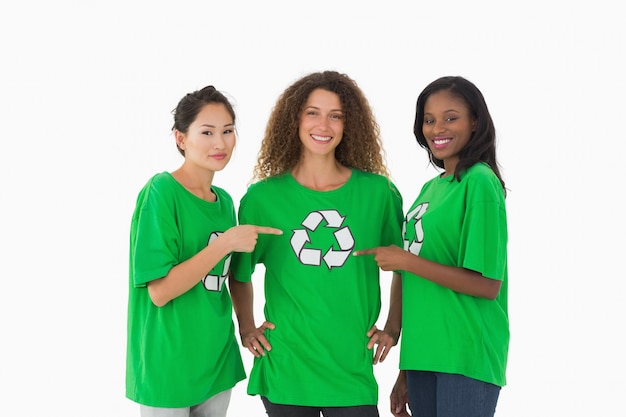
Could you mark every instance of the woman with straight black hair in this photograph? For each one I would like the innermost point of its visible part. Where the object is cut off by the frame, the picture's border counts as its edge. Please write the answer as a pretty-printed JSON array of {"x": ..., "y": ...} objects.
[{"x": 455, "y": 326}]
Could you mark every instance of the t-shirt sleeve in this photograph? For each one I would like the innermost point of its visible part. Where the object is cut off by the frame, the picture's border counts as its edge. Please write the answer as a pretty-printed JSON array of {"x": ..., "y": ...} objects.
[
  {"x": 392, "y": 227},
  {"x": 484, "y": 231},
  {"x": 153, "y": 240}
]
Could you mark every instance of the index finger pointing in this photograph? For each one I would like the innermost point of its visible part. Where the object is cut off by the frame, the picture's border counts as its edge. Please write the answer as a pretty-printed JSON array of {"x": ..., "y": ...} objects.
[
  {"x": 364, "y": 252},
  {"x": 269, "y": 230}
]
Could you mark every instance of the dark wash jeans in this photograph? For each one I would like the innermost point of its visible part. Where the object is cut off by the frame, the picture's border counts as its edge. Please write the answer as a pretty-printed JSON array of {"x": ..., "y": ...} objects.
[
  {"x": 280, "y": 410},
  {"x": 437, "y": 394}
]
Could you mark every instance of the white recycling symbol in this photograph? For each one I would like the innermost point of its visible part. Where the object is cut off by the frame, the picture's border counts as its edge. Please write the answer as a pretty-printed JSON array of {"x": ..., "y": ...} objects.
[
  {"x": 416, "y": 214},
  {"x": 215, "y": 282},
  {"x": 312, "y": 256}
]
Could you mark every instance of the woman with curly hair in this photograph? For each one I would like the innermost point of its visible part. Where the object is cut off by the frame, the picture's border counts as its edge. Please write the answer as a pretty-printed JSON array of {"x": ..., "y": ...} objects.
[{"x": 322, "y": 180}]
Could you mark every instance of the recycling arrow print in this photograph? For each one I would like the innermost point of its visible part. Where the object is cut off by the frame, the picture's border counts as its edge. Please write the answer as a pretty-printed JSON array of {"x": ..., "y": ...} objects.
[
  {"x": 332, "y": 217},
  {"x": 313, "y": 256},
  {"x": 307, "y": 256},
  {"x": 215, "y": 282},
  {"x": 335, "y": 258},
  {"x": 416, "y": 214}
]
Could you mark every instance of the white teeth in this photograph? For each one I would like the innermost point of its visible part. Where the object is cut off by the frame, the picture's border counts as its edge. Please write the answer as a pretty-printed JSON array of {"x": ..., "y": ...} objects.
[
  {"x": 441, "y": 141},
  {"x": 321, "y": 138}
]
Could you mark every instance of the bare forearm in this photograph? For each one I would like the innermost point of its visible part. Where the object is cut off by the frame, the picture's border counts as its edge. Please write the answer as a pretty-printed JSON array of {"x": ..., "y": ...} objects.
[
  {"x": 393, "y": 325},
  {"x": 253, "y": 338},
  {"x": 242, "y": 295},
  {"x": 184, "y": 276},
  {"x": 458, "y": 279}
]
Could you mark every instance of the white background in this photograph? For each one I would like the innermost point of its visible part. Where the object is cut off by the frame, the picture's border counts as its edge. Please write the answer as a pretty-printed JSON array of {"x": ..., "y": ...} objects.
[{"x": 86, "y": 91}]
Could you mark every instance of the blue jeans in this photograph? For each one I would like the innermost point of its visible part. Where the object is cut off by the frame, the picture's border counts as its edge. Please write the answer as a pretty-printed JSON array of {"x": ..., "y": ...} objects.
[
  {"x": 436, "y": 394},
  {"x": 281, "y": 410}
]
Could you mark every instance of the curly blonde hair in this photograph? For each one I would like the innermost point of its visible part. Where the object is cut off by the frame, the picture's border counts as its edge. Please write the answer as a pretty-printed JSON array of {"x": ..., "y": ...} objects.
[{"x": 360, "y": 148}]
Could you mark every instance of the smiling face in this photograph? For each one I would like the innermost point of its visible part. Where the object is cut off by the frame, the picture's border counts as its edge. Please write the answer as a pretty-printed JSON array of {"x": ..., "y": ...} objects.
[
  {"x": 448, "y": 126},
  {"x": 321, "y": 123},
  {"x": 210, "y": 139}
]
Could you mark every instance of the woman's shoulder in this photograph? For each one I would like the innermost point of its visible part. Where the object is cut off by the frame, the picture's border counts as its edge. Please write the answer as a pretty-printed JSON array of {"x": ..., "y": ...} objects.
[
  {"x": 262, "y": 185},
  {"x": 370, "y": 177},
  {"x": 373, "y": 180},
  {"x": 480, "y": 169},
  {"x": 265, "y": 188},
  {"x": 157, "y": 189},
  {"x": 481, "y": 176},
  {"x": 161, "y": 181}
]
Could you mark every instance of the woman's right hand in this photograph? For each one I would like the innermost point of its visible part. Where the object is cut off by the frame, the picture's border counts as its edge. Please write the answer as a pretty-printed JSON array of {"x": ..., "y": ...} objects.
[{"x": 243, "y": 238}]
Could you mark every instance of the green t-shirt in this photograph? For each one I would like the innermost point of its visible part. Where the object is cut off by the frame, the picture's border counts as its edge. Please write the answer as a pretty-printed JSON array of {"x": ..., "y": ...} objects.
[
  {"x": 321, "y": 299},
  {"x": 183, "y": 353},
  {"x": 460, "y": 224}
]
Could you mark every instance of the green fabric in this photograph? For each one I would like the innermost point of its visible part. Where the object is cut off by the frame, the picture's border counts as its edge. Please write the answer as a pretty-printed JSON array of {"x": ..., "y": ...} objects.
[
  {"x": 321, "y": 299},
  {"x": 459, "y": 224},
  {"x": 183, "y": 353}
]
